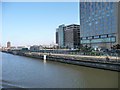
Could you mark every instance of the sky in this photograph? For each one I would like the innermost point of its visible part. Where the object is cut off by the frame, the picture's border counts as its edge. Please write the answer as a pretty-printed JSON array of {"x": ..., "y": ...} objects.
[{"x": 35, "y": 23}]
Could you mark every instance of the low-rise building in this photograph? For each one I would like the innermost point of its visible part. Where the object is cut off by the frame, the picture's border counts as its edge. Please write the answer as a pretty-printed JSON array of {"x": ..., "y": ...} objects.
[
  {"x": 35, "y": 48},
  {"x": 20, "y": 47}
]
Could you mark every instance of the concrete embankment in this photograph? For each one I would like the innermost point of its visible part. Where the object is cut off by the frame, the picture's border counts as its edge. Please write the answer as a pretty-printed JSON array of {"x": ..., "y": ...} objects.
[{"x": 89, "y": 61}]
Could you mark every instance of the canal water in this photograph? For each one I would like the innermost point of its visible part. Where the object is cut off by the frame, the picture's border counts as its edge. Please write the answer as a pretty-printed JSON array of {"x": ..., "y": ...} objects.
[{"x": 24, "y": 72}]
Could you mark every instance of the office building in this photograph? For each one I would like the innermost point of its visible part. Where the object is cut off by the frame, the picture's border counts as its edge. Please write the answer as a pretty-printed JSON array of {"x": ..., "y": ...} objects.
[
  {"x": 8, "y": 45},
  {"x": 68, "y": 36},
  {"x": 100, "y": 24},
  {"x": 72, "y": 36},
  {"x": 60, "y": 36},
  {"x": 56, "y": 36}
]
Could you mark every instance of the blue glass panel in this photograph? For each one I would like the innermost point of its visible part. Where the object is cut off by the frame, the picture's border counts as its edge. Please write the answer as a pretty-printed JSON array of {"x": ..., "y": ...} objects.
[{"x": 101, "y": 40}]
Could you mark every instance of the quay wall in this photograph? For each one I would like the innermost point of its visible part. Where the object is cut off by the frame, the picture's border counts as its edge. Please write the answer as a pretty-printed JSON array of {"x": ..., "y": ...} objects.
[{"x": 100, "y": 63}]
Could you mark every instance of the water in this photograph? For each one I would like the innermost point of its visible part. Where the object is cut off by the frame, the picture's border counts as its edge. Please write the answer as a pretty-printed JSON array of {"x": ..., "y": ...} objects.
[{"x": 23, "y": 72}]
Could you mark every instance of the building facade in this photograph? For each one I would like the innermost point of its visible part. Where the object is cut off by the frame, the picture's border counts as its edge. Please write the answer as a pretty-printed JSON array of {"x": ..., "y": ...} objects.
[
  {"x": 72, "y": 36},
  {"x": 60, "y": 36},
  {"x": 68, "y": 36},
  {"x": 36, "y": 48},
  {"x": 56, "y": 36},
  {"x": 8, "y": 45},
  {"x": 99, "y": 24},
  {"x": 118, "y": 36}
]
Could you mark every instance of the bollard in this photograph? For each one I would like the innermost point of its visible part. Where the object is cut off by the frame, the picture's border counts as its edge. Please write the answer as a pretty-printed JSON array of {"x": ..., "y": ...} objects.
[{"x": 44, "y": 58}]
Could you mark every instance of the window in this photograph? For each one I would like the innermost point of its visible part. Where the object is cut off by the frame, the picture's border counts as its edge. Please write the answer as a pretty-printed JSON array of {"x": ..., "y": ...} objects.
[
  {"x": 111, "y": 5},
  {"x": 93, "y": 19},
  {"x": 96, "y": 22},
  {"x": 101, "y": 40},
  {"x": 90, "y": 37},
  {"x": 90, "y": 24},
  {"x": 100, "y": 17},
  {"x": 103, "y": 36},
  {"x": 84, "y": 38},
  {"x": 89, "y": 17},
  {"x": 107, "y": 15},
  {"x": 103, "y": 4},
  {"x": 96, "y": 37}
]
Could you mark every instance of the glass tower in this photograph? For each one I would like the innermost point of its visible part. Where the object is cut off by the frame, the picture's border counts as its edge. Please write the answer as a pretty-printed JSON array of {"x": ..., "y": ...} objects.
[
  {"x": 99, "y": 24},
  {"x": 60, "y": 36}
]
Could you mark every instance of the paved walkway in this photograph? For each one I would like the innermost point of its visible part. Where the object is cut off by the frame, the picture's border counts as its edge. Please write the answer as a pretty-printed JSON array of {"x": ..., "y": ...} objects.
[{"x": 83, "y": 56}]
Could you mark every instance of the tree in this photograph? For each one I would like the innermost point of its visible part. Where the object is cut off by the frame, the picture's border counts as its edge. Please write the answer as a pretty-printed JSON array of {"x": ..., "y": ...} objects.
[{"x": 117, "y": 46}]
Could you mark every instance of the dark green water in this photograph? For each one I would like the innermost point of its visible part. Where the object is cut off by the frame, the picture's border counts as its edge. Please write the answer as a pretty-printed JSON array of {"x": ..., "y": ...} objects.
[{"x": 18, "y": 71}]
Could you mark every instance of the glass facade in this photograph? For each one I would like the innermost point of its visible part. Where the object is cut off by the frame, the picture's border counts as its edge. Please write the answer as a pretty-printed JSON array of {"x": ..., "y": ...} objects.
[
  {"x": 99, "y": 40},
  {"x": 98, "y": 20},
  {"x": 60, "y": 31}
]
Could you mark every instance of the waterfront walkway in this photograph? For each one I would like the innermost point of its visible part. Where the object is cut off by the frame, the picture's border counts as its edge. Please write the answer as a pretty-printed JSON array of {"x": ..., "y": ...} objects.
[
  {"x": 78, "y": 56},
  {"x": 101, "y": 62}
]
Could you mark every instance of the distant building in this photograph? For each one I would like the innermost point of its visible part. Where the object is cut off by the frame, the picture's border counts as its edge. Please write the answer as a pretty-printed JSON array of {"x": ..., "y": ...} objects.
[
  {"x": 100, "y": 24},
  {"x": 8, "y": 45},
  {"x": 60, "y": 36},
  {"x": 4, "y": 48},
  {"x": 35, "y": 48},
  {"x": 57, "y": 36},
  {"x": 72, "y": 36},
  {"x": 0, "y": 48},
  {"x": 24, "y": 49},
  {"x": 68, "y": 36},
  {"x": 20, "y": 47},
  {"x": 12, "y": 48}
]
